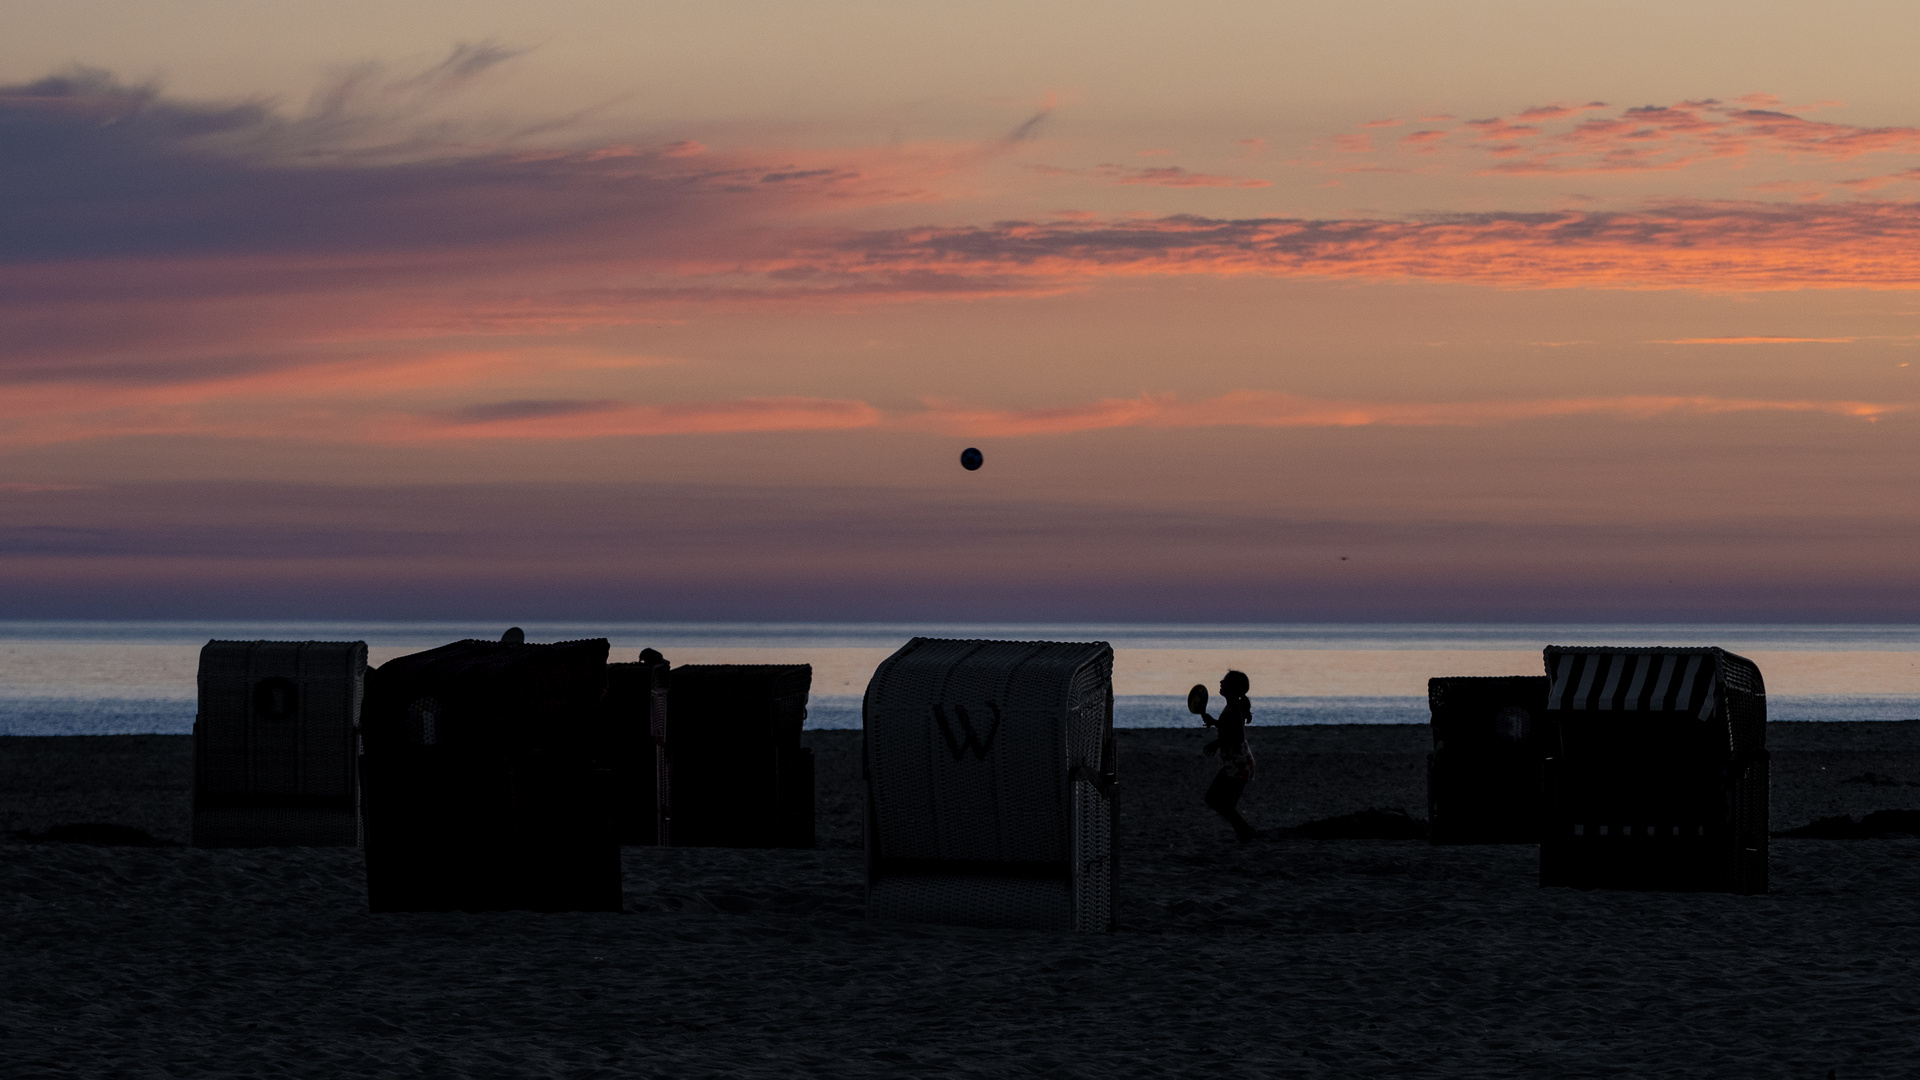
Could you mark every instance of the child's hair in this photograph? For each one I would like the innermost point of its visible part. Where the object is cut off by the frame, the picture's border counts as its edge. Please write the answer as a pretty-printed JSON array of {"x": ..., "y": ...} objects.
[{"x": 1235, "y": 684}]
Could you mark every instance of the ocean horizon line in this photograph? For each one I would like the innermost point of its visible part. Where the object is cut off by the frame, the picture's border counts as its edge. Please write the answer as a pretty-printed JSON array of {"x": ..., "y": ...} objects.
[{"x": 81, "y": 715}]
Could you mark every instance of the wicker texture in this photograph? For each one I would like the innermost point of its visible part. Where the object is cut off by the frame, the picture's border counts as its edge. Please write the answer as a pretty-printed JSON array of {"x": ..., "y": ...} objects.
[
  {"x": 273, "y": 761},
  {"x": 481, "y": 787},
  {"x": 1663, "y": 779},
  {"x": 989, "y": 768},
  {"x": 737, "y": 775},
  {"x": 1491, "y": 737}
]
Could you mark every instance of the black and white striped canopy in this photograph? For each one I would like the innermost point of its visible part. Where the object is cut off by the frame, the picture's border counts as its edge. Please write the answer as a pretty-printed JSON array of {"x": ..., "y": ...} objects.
[{"x": 1645, "y": 680}]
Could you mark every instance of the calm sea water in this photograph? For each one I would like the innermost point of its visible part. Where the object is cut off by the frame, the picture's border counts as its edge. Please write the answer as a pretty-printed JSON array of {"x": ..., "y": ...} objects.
[{"x": 97, "y": 678}]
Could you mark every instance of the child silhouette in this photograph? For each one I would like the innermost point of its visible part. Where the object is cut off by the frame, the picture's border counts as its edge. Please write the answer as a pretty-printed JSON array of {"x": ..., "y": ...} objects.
[{"x": 1236, "y": 757}]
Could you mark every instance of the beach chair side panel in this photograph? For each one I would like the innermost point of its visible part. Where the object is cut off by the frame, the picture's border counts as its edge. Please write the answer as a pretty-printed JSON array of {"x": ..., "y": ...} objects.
[{"x": 626, "y": 749}]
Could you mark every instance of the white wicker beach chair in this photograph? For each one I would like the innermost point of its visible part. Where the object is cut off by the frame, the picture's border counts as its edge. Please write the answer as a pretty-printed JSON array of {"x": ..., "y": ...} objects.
[
  {"x": 273, "y": 744},
  {"x": 990, "y": 768},
  {"x": 1662, "y": 780}
]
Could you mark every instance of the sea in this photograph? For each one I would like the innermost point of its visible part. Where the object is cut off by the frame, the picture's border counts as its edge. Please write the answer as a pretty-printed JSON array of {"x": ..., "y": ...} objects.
[{"x": 115, "y": 678}]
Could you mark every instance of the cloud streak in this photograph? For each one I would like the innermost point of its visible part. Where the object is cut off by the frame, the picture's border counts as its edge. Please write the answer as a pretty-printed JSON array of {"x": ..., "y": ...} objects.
[
  {"x": 306, "y": 411},
  {"x": 1255, "y": 408},
  {"x": 1725, "y": 245},
  {"x": 1569, "y": 140},
  {"x": 1165, "y": 176},
  {"x": 557, "y": 420}
]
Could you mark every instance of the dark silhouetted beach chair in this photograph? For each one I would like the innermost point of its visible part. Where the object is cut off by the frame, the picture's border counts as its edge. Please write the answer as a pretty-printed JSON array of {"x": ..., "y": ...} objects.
[
  {"x": 1662, "y": 782},
  {"x": 737, "y": 775},
  {"x": 1491, "y": 737},
  {"x": 480, "y": 782},
  {"x": 630, "y": 750},
  {"x": 990, "y": 768},
  {"x": 273, "y": 743}
]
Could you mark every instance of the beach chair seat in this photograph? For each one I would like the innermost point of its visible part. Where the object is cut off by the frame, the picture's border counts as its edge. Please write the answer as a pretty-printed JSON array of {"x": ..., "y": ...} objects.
[
  {"x": 990, "y": 769},
  {"x": 737, "y": 775},
  {"x": 273, "y": 744},
  {"x": 1491, "y": 737},
  {"x": 480, "y": 781},
  {"x": 1662, "y": 780}
]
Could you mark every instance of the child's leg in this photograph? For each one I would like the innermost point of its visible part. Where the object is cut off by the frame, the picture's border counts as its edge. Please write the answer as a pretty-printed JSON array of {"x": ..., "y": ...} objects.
[{"x": 1223, "y": 798}]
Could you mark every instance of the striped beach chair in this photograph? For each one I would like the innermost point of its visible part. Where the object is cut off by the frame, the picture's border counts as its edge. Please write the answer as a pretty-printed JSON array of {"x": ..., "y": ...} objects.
[
  {"x": 480, "y": 781},
  {"x": 1663, "y": 779},
  {"x": 990, "y": 768},
  {"x": 273, "y": 744},
  {"x": 1491, "y": 739}
]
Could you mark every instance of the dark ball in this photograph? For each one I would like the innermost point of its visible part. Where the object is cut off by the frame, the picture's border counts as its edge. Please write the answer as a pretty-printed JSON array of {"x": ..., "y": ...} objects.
[{"x": 970, "y": 459}]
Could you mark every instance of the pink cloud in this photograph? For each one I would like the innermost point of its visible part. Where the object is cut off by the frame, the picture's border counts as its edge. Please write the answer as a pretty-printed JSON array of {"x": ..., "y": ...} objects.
[
  {"x": 1255, "y": 408},
  {"x": 1757, "y": 341}
]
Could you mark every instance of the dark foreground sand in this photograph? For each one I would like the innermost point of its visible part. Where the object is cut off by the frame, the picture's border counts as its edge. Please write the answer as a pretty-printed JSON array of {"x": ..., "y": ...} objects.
[{"x": 1281, "y": 958}]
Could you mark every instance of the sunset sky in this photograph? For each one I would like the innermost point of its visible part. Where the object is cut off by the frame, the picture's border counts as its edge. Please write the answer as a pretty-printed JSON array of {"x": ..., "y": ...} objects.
[{"x": 1259, "y": 311}]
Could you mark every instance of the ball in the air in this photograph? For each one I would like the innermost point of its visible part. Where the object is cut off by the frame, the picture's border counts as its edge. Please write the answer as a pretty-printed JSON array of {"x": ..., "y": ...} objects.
[{"x": 970, "y": 459}]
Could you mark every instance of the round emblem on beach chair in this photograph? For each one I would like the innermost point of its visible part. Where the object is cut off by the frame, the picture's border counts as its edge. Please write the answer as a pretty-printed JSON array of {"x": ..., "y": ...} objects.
[
  {"x": 1513, "y": 724},
  {"x": 276, "y": 699}
]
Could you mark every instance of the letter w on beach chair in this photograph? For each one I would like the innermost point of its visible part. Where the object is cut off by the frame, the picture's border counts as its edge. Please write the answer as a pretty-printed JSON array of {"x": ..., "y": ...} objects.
[
  {"x": 1662, "y": 782},
  {"x": 990, "y": 770}
]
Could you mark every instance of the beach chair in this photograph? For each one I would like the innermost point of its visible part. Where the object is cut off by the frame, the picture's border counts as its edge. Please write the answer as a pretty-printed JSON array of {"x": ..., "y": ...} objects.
[
  {"x": 273, "y": 744},
  {"x": 1491, "y": 737},
  {"x": 630, "y": 752},
  {"x": 480, "y": 784},
  {"x": 990, "y": 770},
  {"x": 737, "y": 775},
  {"x": 1662, "y": 780}
]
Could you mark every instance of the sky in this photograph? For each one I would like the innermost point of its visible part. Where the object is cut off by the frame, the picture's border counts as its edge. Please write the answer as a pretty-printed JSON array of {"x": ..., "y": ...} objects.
[{"x": 1259, "y": 312}]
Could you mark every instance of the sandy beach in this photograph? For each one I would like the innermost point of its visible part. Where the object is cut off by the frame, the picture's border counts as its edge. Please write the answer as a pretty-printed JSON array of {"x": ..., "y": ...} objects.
[{"x": 1286, "y": 957}]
